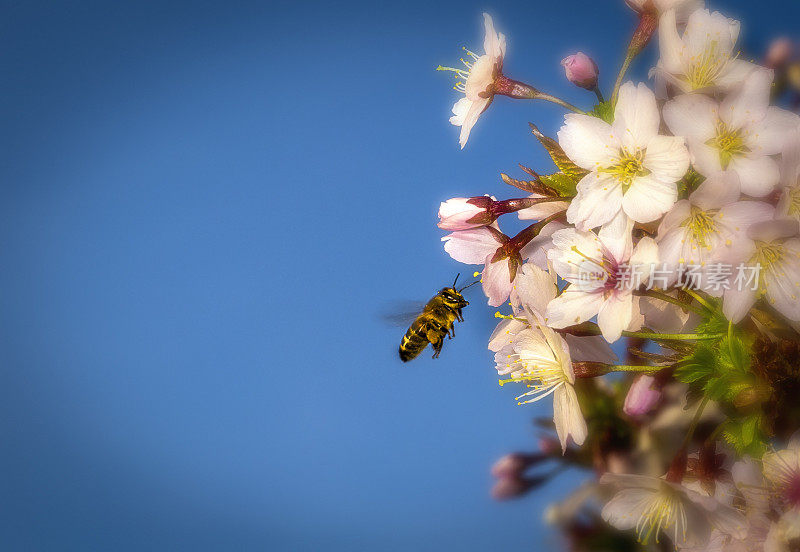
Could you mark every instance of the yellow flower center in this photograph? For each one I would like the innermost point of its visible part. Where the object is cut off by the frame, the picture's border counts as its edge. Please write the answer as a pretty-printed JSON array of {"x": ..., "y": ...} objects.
[
  {"x": 768, "y": 255},
  {"x": 794, "y": 202},
  {"x": 707, "y": 67},
  {"x": 702, "y": 226},
  {"x": 664, "y": 511},
  {"x": 629, "y": 166},
  {"x": 729, "y": 143}
]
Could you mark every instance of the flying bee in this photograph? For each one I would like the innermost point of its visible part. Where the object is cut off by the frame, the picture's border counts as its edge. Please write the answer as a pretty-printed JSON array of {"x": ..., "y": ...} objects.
[{"x": 435, "y": 322}]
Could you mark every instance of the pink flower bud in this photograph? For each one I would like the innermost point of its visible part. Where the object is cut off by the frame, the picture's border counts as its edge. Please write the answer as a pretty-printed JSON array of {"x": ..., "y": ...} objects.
[
  {"x": 642, "y": 396},
  {"x": 461, "y": 213},
  {"x": 549, "y": 446},
  {"x": 779, "y": 53},
  {"x": 581, "y": 70},
  {"x": 511, "y": 487},
  {"x": 514, "y": 464}
]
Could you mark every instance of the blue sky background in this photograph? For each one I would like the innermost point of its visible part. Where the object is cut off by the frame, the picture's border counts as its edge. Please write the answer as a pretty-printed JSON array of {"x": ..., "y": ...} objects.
[{"x": 205, "y": 208}]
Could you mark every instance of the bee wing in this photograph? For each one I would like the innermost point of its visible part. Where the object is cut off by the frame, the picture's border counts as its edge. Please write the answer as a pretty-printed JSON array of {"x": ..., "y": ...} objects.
[{"x": 402, "y": 313}]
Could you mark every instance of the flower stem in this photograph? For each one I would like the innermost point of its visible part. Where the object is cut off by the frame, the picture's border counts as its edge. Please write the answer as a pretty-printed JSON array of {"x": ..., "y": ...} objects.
[
  {"x": 634, "y": 368},
  {"x": 672, "y": 337},
  {"x": 623, "y": 70},
  {"x": 699, "y": 298},
  {"x": 559, "y": 101},
  {"x": 599, "y": 95},
  {"x": 655, "y": 294}
]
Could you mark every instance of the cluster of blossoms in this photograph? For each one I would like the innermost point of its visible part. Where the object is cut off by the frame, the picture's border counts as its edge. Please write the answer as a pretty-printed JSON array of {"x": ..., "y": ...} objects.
[{"x": 692, "y": 435}]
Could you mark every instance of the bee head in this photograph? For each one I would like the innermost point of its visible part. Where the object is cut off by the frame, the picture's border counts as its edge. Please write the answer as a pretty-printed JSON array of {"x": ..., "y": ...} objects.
[{"x": 453, "y": 297}]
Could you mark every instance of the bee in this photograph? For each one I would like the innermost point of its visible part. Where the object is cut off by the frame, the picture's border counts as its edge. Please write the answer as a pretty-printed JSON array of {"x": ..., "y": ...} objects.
[{"x": 435, "y": 322}]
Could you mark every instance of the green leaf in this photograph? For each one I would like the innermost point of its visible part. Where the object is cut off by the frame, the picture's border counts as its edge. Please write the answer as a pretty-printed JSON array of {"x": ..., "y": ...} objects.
[
  {"x": 564, "y": 184},
  {"x": 604, "y": 111},
  {"x": 699, "y": 367},
  {"x": 564, "y": 164}
]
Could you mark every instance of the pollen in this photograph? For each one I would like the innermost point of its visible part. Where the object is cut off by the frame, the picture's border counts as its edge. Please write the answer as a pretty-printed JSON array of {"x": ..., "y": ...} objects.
[{"x": 628, "y": 167}]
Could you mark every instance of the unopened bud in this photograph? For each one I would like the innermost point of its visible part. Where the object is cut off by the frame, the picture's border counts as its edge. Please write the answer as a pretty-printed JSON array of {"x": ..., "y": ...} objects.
[
  {"x": 514, "y": 487},
  {"x": 461, "y": 213},
  {"x": 581, "y": 70},
  {"x": 550, "y": 446},
  {"x": 779, "y": 53},
  {"x": 642, "y": 397},
  {"x": 515, "y": 464}
]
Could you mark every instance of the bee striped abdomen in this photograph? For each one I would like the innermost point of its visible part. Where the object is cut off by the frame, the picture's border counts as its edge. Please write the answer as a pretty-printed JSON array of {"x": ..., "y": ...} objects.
[{"x": 414, "y": 341}]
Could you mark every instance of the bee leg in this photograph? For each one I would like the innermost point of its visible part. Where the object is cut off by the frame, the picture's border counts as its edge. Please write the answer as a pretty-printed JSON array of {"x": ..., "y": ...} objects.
[
  {"x": 451, "y": 331},
  {"x": 437, "y": 347},
  {"x": 459, "y": 316}
]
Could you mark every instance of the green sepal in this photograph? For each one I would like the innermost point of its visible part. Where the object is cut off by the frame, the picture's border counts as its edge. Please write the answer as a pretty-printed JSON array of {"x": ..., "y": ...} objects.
[{"x": 604, "y": 111}]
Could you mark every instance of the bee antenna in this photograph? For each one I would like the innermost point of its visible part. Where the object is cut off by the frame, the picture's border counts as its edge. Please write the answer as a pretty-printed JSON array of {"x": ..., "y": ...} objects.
[
  {"x": 456, "y": 280},
  {"x": 468, "y": 286}
]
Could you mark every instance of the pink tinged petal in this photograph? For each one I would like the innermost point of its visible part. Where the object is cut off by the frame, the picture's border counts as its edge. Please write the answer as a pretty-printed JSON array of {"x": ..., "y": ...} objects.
[
  {"x": 735, "y": 73},
  {"x": 617, "y": 237},
  {"x": 504, "y": 333},
  {"x": 717, "y": 190},
  {"x": 587, "y": 140},
  {"x": 667, "y": 158},
  {"x": 648, "y": 198},
  {"x": 615, "y": 315},
  {"x": 592, "y": 348},
  {"x": 534, "y": 288},
  {"x": 758, "y": 176},
  {"x": 496, "y": 279},
  {"x": 772, "y": 230},
  {"x": 642, "y": 396},
  {"x": 626, "y": 507},
  {"x": 598, "y": 201},
  {"x": 669, "y": 42},
  {"x": 460, "y": 109},
  {"x": 480, "y": 82},
  {"x": 737, "y": 303},
  {"x": 491, "y": 42},
  {"x": 675, "y": 217},
  {"x": 749, "y": 105},
  {"x": 567, "y": 416},
  {"x": 471, "y": 117},
  {"x": 536, "y": 250},
  {"x": 692, "y": 116},
  {"x": 573, "y": 307},
  {"x": 636, "y": 118},
  {"x": 706, "y": 159},
  {"x": 542, "y": 210},
  {"x": 738, "y": 217},
  {"x": 471, "y": 246},
  {"x": 771, "y": 135},
  {"x": 456, "y": 213},
  {"x": 645, "y": 255}
]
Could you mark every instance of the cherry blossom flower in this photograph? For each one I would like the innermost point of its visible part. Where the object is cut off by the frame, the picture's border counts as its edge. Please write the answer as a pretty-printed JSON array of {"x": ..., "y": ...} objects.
[
  {"x": 631, "y": 167},
  {"x": 707, "y": 229},
  {"x": 740, "y": 135},
  {"x": 539, "y": 358},
  {"x": 581, "y": 70},
  {"x": 592, "y": 265},
  {"x": 772, "y": 271},
  {"x": 705, "y": 57},
  {"x": 782, "y": 471},
  {"x": 479, "y": 75},
  {"x": 650, "y": 505},
  {"x": 493, "y": 249}
]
